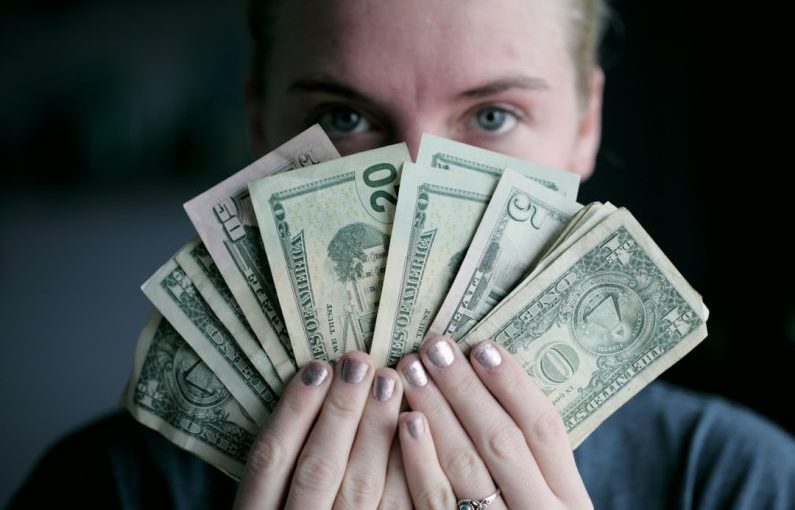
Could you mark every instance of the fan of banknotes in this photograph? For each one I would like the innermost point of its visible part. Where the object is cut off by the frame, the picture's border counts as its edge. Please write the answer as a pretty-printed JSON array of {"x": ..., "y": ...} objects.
[{"x": 305, "y": 255}]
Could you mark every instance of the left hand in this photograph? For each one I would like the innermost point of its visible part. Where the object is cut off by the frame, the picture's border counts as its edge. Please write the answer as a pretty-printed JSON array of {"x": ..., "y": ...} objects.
[{"x": 480, "y": 426}]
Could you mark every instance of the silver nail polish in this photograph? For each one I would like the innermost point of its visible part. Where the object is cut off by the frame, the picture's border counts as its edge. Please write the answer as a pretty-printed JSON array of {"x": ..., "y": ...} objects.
[
  {"x": 488, "y": 355},
  {"x": 383, "y": 388},
  {"x": 314, "y": 374},
  {"x": 441, "y": 354},
  {"x": 416, "y": 427},
  {"x": 415, "y": 374},
  {"x": 353, "y": 370}
]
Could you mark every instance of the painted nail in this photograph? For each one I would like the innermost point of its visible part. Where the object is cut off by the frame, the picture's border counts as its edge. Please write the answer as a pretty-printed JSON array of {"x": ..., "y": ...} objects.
[
  {"x": 441, "y": 354},
  {"x": 487, "y": 355},
  {"x": 415, "y": 374},
  {"x": 314, "y": 374},
  {"x": 383, "y": 388},
  {"x": 353, "y": 370},
  {"x": 416, "y": 427}
]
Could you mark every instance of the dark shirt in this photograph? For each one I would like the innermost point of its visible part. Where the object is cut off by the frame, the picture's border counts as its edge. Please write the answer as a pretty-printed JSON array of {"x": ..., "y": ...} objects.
[{"x": 666, "y": 448}]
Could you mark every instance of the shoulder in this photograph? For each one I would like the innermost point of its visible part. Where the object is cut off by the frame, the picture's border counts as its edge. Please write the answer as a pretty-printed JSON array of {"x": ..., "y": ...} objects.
[
  {"x": 688, "y": 450},
  {"x": 117, "y": 463}
]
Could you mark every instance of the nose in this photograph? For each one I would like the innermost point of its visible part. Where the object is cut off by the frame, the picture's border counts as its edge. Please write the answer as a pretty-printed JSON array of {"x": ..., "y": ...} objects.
[{"x": 411, "y": 130}]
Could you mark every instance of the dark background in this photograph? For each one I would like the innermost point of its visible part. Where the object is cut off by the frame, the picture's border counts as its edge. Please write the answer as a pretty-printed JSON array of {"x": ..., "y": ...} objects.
[{"x": 114, "y": 113}]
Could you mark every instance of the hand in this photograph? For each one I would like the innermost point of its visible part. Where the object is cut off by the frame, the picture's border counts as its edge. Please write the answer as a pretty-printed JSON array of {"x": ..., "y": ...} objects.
[
  {"x": 327, "y": 444},
  {"x": 480, "y": 426}
]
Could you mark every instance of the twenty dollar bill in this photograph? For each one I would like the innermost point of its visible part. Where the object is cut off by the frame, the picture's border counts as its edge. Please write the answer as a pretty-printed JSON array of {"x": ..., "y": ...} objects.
[{"x": 326, "y": 230}]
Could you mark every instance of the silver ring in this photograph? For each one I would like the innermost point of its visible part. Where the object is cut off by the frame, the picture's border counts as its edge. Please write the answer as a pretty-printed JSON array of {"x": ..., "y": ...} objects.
[{"x": 477, "y": 504}]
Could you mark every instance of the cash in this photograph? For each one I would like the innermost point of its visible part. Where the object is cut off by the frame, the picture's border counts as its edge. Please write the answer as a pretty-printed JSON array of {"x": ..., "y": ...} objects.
[
  {"x": 224, "y": 218},
  {"x": 522, "y": 218},
  {"x": 325, "y": 231},
  {"x": 173, "y": 392},
  {"x": 304, "y": 255},
  {"x": 602, "y": 320}
]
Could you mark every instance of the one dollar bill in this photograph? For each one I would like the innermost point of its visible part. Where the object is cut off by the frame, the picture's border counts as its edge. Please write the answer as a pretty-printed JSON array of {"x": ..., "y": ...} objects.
[
  {"x": 176, "y": 297},
  {"x": 604, "y": 319},
  {"x": 172, "y": 391}
]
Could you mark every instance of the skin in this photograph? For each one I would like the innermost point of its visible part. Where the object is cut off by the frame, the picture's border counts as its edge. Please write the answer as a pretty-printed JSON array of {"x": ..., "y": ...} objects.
[{"x": 493, "y": 73}]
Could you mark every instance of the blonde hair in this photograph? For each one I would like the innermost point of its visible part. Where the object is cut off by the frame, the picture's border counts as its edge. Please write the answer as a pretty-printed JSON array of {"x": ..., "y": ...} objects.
[{"x": 587, "y": 19}]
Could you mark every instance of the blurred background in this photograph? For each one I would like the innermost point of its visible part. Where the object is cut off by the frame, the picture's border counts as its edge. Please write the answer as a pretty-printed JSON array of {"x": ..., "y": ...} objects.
[{"x": 114, "y": 113}]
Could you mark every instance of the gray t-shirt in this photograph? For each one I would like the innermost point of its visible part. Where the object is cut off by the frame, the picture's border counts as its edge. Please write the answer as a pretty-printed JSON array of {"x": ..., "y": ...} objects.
[{"x": 666, "y": 448}]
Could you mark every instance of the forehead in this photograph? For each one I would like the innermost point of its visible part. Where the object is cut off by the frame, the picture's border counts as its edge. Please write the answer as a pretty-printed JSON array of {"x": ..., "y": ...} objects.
[{"x": 429, "y": 43}]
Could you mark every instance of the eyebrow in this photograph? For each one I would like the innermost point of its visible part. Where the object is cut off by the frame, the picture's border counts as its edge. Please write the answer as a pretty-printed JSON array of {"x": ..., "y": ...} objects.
[
  {"x": 324, "y": 83},
  {"x": 519, "y": 81},
  {"x": 329, "y": 86}
]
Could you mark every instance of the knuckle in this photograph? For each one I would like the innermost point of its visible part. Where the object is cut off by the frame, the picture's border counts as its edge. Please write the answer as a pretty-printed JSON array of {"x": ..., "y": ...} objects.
[
  {"x": 548, "y": 428},
  {"x": 344, "y": 409},
  {"x": 390, "y": 503},
  {"x": 315, "y": 472},
  {"x": 266, "y": 456},
  {"x": 359, "y": 490},
  {"x": 434, "y": 498},
  {"x": 293, "y": 405},
  {"x": 463, "y": 464},
  {"x": 505, "y": 443}
]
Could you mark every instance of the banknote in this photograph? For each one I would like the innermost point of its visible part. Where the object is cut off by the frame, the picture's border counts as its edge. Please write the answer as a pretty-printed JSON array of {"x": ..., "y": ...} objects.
[
  {"x": 521, "y": 219},
  {"x": 447, "y": 154},
  {"x": 175, "y": 296},
  {"x": 172, "y": 391},
  {"x": 326, "y": 230},
  {"x": 604, "y": 319},
  {"x": 225, "y": 221},
  {"x": 437, "y": 215},
  {"x": 197, "y": 263},
  {"x": 596, "y": 213}
]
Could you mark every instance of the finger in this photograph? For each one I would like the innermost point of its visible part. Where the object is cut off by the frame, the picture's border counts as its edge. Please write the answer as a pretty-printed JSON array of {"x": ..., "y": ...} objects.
[
  {"x": 321, "y": 465},
  {"x": 466, "y": 471},
  {"x": 273, "y": 454},
  {"x": 396, "y": 491},
  {"x": 536, "y": 416},
  {"x": 365, "y": 474},
  {"x": 429, "y": 486},
  {"x": 497, "y": 438}
]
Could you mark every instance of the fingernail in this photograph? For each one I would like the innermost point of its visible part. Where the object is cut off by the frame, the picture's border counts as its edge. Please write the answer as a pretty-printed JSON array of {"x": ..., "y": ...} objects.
[
  {"x": 383, "y": 388},
  {"x": 488, "y": 355},
  {"x": 415, "y": 374},
  {"x": 416, "y": 426},
  {"x": 314, "y": 374},
  {"x": 441, "y": 354},
  {"x": 353, "y": 370}
]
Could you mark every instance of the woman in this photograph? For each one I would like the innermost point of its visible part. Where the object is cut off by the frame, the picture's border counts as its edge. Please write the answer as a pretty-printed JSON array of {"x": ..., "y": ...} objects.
[{"x": 514, "y": 76}]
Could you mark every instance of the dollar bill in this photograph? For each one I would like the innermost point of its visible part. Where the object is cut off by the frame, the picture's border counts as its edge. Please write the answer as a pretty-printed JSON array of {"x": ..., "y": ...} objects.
[
  {"x": 326, "y": 230},
  {"x": 175, "y": 296},
  {"x": 595, "y": 214},
  {"x": 225, "y": 221},
  {"x": 604, "y": 319},
  {"x": 521, "y": 219},
  {"x": 172, "y": 391},
  {"x": 195, "y": 260},
  {"x": 437, "y": 215},
  {"x": 447, "y": 154}
]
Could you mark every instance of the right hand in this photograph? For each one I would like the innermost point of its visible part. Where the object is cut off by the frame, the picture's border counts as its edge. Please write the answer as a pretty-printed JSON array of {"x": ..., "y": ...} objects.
[{"x": 329, "y": 442}]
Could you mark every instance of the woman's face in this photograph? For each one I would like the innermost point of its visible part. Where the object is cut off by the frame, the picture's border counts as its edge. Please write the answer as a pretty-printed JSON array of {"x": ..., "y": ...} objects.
[{"x": 493, "y": 73}]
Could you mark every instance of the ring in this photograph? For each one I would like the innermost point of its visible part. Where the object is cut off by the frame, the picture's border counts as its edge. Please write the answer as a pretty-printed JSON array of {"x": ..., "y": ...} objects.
[{"x": 477, "y": 504}]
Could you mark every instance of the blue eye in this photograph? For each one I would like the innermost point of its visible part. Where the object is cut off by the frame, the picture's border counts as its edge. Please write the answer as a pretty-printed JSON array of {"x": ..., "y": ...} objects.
[
  {"x": 343, "y": 120},
  {"x": 494, "y": 119}
]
